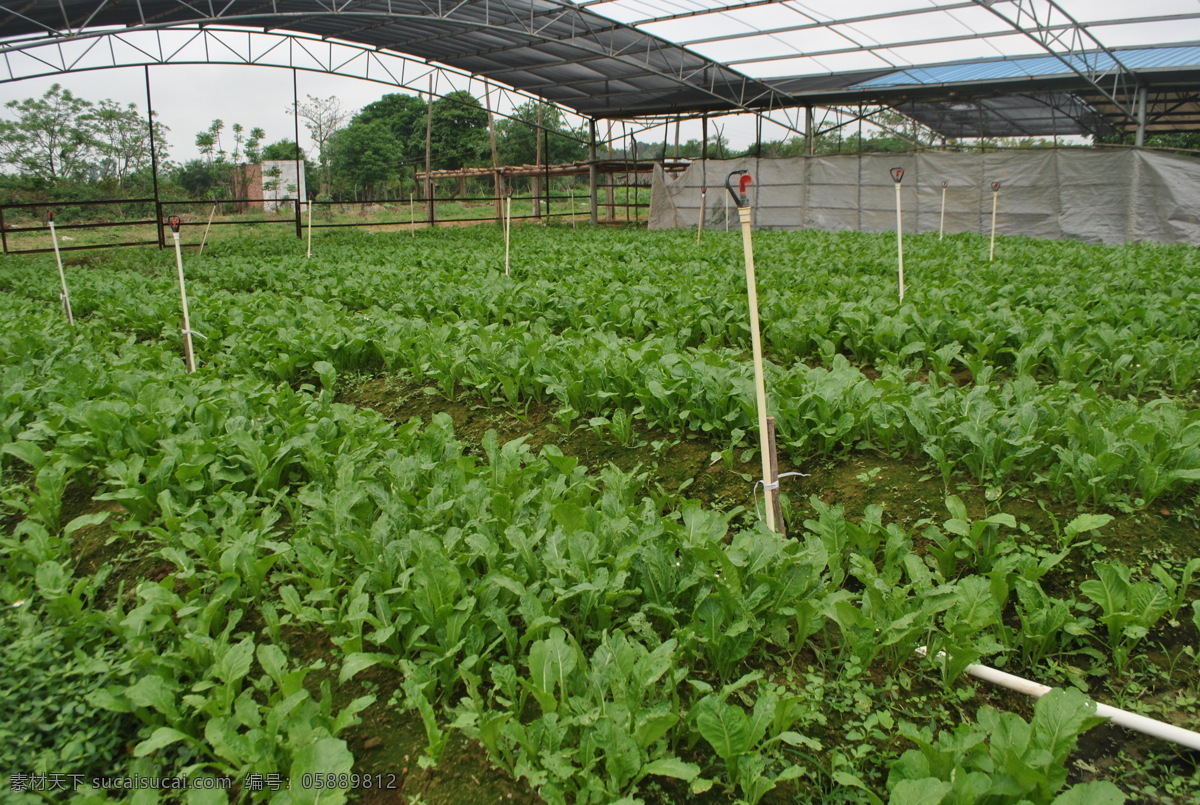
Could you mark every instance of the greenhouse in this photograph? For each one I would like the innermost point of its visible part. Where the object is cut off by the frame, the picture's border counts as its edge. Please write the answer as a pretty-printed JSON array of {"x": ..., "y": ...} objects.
[{"x": 618, "y": 401}]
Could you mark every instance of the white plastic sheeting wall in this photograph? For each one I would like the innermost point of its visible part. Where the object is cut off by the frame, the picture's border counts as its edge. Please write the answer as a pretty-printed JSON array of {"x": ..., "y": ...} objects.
[{"x": 1109, "y": 196}]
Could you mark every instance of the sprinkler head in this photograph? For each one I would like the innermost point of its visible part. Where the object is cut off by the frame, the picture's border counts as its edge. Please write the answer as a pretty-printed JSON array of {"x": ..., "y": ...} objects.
[
  {"x": 739, "y": 195},
  {"x": 312, "y": 195},
  {"x": 174, "y": 222},
  {"x": 945, "y": 184},
  {"x": 897, "y": 175},
  {"x": 995, "y": 187},
  {"x": 50, "y": 216}
]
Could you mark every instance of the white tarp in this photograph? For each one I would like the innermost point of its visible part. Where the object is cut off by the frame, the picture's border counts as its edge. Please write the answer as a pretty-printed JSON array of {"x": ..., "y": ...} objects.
[{"x": 1106, "y": 196}]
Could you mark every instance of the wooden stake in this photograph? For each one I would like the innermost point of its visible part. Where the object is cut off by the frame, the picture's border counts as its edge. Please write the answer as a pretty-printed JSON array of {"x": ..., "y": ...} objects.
[
  {"x": 507, "y": 233},
  {"x": 189, "y": 354},
  {"x": 62, "y": 276},
  {"x": 760, "y": 385},
  {"x": 310, "y": 206},
  {"x": 204, "y": 238},
  {"x": 942, "y": 219},
  {"x": 995, "y": 203}
]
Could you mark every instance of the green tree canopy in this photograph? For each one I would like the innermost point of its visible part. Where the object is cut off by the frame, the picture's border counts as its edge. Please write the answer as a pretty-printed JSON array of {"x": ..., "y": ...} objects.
[
  {"x": 458, "y": 133},
  {"x": 366, "y": 154},
  {"x": 516, "y": 136}
]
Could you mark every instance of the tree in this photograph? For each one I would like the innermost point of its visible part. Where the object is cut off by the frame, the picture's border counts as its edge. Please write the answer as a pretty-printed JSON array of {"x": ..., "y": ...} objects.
[
  {"x": 516, "y": 136},
  {"x": 366, "y": 155},
  {"x": 279, "y": 150},
  {"x": 119, "y": 134},
  {"x": 322, "y": 117},
  {"x": 52, "y": 137},
  {"x": 458, "y": 132}
]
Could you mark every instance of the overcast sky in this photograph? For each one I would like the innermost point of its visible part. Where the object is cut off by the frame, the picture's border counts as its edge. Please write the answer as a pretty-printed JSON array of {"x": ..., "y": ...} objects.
[{"x": 188, "y": 97}]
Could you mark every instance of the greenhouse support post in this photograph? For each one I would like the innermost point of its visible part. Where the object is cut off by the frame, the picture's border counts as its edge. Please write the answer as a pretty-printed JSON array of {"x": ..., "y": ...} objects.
[
  {"x": 760, "y": 385},
  {"x": 62, "y": 276},
  {"x": 1122, "y": 718}
]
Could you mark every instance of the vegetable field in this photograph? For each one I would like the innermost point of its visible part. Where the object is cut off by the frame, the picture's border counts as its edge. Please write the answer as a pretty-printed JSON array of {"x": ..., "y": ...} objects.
[{"x": 416, "y": 531}]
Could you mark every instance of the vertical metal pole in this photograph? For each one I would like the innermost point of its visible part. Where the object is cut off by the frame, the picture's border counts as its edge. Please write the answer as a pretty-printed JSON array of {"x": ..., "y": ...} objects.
[
  {"x": 162, "y": 241},
  {"x": 299, "y": 161},
  {"x": 496, "y": 187},
  {"x": 432, "y": 215},
  {"x": 1140, "y": 137},
  {"x": 810, "y": 139},
  {"x": 3, "y": 235},
  {"x": 546, "y": 152},
  {"x": 593, "y": 191}
]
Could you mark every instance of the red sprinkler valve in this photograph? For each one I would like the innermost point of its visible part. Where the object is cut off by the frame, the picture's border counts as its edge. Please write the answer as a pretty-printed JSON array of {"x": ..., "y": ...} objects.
[
  {"x": 945, "y": 184},
  {"x": 174, "y": 222},
  {"x": 50, "y": 216},
  {"x": 995, "y": 187},
  {"x": 739, "y": 195},
  {"x": 897, "y": 175}
]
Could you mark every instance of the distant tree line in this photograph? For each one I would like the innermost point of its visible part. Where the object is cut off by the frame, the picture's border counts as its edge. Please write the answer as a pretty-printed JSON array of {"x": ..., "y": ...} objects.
[{"x": 64, "y": 146}]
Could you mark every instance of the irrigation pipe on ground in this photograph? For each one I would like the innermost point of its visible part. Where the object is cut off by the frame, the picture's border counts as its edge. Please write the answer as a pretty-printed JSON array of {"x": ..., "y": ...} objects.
[{"x": 1123, "y": 718}]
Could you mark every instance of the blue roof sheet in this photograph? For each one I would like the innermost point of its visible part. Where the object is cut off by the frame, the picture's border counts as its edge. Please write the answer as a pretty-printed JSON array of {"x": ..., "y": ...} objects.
[{"x": 1036, "y": 67}]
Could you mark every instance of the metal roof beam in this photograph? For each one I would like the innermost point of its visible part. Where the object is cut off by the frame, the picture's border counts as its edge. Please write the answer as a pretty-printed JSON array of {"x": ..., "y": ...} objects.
[
  {"x": 1046, "y": 23},
  {"x": 816, "y": 24}
]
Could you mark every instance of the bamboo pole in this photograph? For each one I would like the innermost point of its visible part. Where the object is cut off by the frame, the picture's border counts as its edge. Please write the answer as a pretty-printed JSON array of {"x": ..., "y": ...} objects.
[
  {"x": 507, "y": 232},
  {"x": 760, "y": 385},
  {"x": 62, "y": 275},
  {"x": 995, "y": 204},
  {"x": 898, "y": 178},
  {"x": 204, "y": 238},
  {"x": 942, "y": 218},
  {"x": 189, "y": 354}
]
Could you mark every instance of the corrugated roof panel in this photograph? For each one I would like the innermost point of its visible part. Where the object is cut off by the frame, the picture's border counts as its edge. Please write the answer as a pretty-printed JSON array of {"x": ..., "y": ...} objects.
[{"x": 1036, "y": 67}]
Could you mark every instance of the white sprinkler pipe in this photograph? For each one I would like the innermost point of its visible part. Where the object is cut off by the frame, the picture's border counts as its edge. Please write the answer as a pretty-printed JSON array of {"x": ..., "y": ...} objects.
[
  {"x": 62, "y": 276},
  {"x": 507, "y": 232},
  {"x": 189, "y": 355},
  {"x": 1123, "y": 718},
  {"x": 412, "y": 216},
  {"x": 310, "y": 206},
  {"x": 942, "y": 218},
  {"x": 206, "y": 226},
  {"x": 995, "y": 203},
  {"x": 703, "y": 205},
  {"x": 898, "y": 178}
]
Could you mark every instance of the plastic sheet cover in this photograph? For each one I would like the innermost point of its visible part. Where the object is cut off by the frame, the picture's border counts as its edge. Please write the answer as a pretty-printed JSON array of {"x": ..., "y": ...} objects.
[{"x": 1089, "y": 195}]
